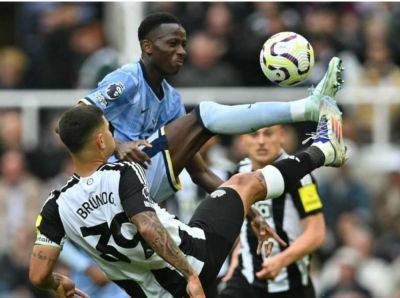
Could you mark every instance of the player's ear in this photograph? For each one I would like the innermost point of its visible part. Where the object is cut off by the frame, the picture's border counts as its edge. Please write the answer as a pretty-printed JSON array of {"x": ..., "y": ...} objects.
[
  {"x": 101, "y": 144},
  {"x": 147, "y": 46}
]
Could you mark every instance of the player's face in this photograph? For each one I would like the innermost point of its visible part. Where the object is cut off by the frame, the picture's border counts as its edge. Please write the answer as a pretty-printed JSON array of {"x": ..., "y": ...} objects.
[
  {"x": 168, "y": 48},
  {"x": 265, "y": 145}
]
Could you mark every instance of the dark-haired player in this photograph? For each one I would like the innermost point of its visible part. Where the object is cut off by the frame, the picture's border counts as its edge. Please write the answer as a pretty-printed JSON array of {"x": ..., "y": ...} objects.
[
  {"x": 107, "y": 210},
  {"x": 140, "y": 104}
]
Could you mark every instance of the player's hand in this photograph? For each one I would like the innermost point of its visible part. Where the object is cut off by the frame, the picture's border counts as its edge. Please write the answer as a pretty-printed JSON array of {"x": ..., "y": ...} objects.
[
  {"x": 264, "y": 232},
  {"x": 129, "y": 151},
  {"x": 230, "y": 272},
  {"x": 194, "y": 287},
  {"x": 66, "y": 288},
  {"x": 271, "y": 267}
]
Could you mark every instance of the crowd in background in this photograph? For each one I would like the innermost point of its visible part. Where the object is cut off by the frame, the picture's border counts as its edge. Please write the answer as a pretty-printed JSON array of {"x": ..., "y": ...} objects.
[{"x": 63, "y": 45}]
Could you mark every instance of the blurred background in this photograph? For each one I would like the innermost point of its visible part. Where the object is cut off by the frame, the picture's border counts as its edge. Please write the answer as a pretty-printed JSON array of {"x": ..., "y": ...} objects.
[{"x": 51, "y": 54}]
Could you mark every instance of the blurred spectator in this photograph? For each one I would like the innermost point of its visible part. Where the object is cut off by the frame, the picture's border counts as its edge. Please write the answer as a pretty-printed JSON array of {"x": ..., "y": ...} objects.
[
  {"x": 47, "y": 160},
  {"x": 45, "y": 33},
  {"x": 10, "y": 130},
  {"x": 204, "y": 67},
  {"x": 219, "y": 26},
  {"x": 98, "y": 60},
  {"x": 13, "y": 67},
  {"x": 20, "y": 196},
  {"x": 347, "y": 260},
  {"x": 343, "y": 193}
]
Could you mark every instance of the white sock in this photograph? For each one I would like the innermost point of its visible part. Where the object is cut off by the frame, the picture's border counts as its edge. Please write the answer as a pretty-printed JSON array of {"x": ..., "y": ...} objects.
[
  {"x": 274, "y": 181},
  {"x": 298, "y": 110}
]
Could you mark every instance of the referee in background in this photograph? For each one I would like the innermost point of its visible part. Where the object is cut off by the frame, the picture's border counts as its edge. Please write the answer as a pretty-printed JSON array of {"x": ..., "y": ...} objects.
[{"x": 296, "y": 216}]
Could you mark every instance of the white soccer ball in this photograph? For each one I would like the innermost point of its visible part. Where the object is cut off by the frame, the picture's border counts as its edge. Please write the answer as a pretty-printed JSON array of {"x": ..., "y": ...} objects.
[{"x": 287, "y": 58}]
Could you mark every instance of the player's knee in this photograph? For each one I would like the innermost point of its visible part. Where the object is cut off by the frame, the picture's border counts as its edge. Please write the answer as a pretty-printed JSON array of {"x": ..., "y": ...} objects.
[
  {"x": 241, "y": 179},
  {"x": 249, "y": 182},
  {"x": 207, "y": 113}
]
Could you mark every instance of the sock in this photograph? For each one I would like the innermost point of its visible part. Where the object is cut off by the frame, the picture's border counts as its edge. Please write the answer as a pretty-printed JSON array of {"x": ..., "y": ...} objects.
[
  {"x": 240, "y": 119},
  {"x": 286, "y": 172}
]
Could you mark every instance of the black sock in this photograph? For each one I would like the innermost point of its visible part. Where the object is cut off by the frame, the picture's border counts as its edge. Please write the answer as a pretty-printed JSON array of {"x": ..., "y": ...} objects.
[{"x": 303, "y": 163}]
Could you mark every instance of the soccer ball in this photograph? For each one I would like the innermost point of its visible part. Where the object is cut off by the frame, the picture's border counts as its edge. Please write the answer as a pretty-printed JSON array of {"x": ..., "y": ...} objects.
[{"x": 287, "y": 58}]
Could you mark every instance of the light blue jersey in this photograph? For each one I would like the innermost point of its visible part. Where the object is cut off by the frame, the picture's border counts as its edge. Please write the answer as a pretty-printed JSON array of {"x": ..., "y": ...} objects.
[
  {"x": 135, "y": 112},
  {"x": 131, "y": 105}
]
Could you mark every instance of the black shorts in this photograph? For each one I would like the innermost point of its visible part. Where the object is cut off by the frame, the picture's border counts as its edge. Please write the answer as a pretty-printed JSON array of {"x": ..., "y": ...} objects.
[
  {"x": 239, "y": 287},
  {"x": 221, "y": 219}
]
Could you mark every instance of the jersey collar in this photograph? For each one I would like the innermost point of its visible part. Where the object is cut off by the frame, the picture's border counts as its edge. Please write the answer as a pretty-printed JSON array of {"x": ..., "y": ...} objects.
[{"x": 160, "y": 95}]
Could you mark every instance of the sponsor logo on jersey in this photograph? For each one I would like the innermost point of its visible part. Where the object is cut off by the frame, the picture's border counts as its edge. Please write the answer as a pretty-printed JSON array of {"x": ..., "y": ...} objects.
[
  {"x": 146, "y": 193},
  {"x": 101, "y": 99},
  {"x": 218, "y": 193},
  {"x": 43, "y": 240},
  {"x": 115, "y": 90}
]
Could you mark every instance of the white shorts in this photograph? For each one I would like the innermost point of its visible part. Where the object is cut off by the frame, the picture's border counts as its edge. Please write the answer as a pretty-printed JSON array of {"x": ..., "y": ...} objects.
[{"x": 160, "y": 174}]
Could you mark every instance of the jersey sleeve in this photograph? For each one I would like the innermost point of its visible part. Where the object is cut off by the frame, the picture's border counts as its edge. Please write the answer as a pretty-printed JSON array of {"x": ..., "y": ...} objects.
[
  {"x": 113, "y": 93},
  {"x": 306, "y": 198},
  {"x": 50, "y": 230},
  {"x": 133, "y": 190}
]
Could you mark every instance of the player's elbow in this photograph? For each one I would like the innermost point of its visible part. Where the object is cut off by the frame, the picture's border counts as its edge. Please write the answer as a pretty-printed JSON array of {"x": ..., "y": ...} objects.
[{"x": 320, "y": 239}]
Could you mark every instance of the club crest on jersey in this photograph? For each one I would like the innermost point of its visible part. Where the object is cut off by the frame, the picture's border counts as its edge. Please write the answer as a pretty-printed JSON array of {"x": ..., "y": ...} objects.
[
  {"x": 146, "y": 193},
  {"x": 218, "y": 193},
  {"x": 115, "y": 90}
]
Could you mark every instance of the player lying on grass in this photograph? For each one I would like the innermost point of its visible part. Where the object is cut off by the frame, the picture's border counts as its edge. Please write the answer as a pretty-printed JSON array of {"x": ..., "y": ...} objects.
[
  {"x": 140, "y": 104},
  {"x": 107, "y": 210}
]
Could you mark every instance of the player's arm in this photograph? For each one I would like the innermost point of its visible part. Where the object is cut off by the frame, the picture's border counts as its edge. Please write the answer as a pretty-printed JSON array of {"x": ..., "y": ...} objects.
[
  {"x": 312, "y": 238},
  {"x": 202, "y": 175},
  {"x": 46, "y": 251},
  {"x": 154, "y": 233},
  {"x": 309, "y": 206},
  {"x": 42, "y": 262},
  {"x": 139, "y": 208},
  {"x": 41, "y": 273}
]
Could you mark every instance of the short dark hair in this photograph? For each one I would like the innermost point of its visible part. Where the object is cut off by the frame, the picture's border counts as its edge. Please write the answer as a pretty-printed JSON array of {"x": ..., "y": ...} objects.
[
  {"x": 77, "y": 124},
  {"x": 154, "y": 20}
]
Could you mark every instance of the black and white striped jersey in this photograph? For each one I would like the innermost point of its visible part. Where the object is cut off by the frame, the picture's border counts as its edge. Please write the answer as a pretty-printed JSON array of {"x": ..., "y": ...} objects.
[
  {"x": 284, "y": 214},
  {"x": 93, "y": 212}
]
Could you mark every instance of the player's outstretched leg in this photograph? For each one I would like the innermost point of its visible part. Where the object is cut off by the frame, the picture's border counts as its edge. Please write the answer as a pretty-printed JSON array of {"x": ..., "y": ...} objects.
[
  {"x": 186, "y": 135},
  {"x": 239, "y": 119},
  {"x": 328, "y": 149},
  {"x": 222, "y": 214}
]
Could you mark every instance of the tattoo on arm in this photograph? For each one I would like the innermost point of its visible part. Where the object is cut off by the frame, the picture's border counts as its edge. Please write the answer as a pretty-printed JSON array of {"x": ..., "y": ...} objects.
[
  {"x": 53, "y": 280},
  {"x": 161, "y": 242},
  {"x": 42, "y": 257}
]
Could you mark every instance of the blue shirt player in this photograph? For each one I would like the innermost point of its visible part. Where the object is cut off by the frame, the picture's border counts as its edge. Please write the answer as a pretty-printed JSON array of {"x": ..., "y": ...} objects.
[{"x": 144, "y": 109}]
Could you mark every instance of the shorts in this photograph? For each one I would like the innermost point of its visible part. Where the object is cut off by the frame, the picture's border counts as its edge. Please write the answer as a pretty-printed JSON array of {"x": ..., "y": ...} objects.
[
  {"x": 160, "y": 174},
  {"x": 221, "y": 218}
]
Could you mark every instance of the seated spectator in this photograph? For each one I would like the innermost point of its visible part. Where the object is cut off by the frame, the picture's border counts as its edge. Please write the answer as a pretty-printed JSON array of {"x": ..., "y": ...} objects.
[
  {"x": 10, "y": 131},
  {"x": 204, "y": 67},
  {"x": 347, "y": 260},
  {"x": 20, "y": 196},
  {"x": 13, "y": 67}
]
